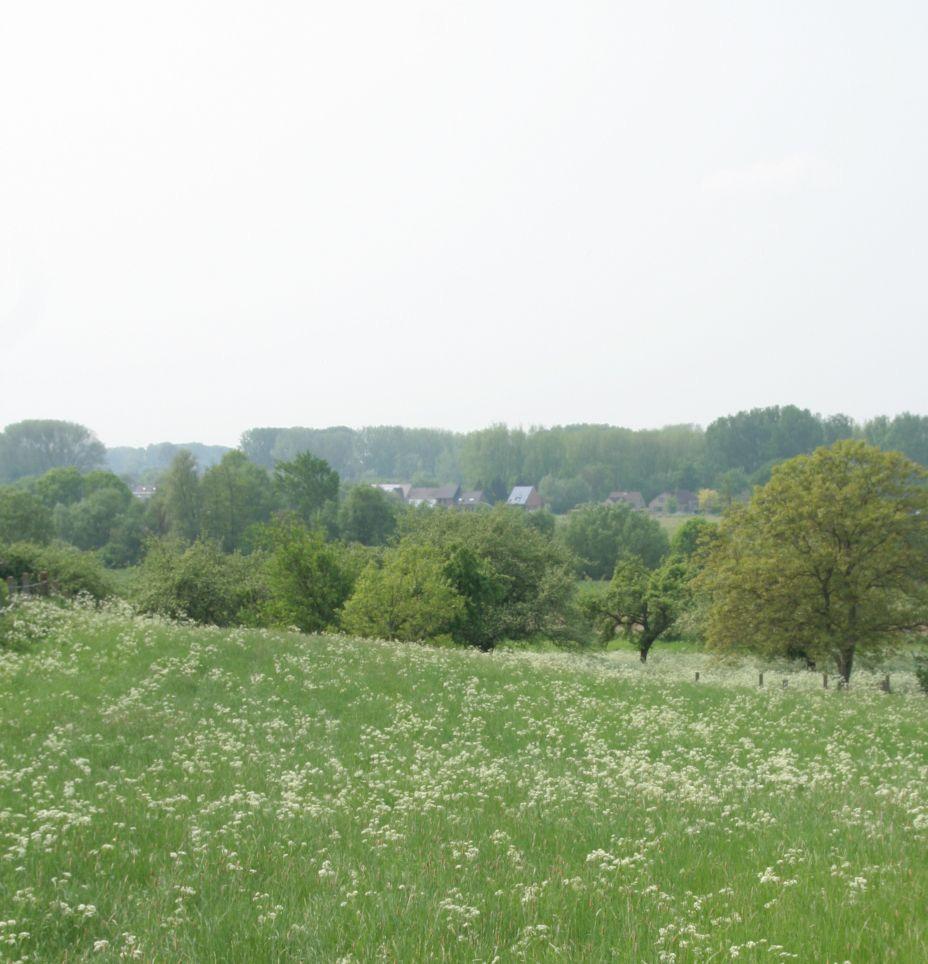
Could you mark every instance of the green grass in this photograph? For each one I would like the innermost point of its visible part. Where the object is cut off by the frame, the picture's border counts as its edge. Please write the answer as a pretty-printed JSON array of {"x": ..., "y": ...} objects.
[
  {"x": 670, "y": 523},
  {"x": 206, "y": 795}
]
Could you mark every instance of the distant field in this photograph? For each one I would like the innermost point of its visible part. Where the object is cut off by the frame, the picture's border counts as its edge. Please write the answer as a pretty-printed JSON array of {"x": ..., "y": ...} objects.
[
  {"x": 207, "y": 795},
  {"x": 673, "y": 522}
]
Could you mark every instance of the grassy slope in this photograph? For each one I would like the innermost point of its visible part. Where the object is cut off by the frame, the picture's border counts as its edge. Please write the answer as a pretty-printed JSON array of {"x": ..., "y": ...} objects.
[{"x": 254, "y": 796}]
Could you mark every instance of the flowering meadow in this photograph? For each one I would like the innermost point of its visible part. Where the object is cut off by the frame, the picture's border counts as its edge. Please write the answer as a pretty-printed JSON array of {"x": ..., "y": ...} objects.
[{"x": 182, "y": 793}]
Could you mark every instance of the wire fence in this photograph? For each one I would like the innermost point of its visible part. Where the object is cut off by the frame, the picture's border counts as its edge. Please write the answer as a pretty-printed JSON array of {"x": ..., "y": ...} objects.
[{"x": 31, "y": 584}]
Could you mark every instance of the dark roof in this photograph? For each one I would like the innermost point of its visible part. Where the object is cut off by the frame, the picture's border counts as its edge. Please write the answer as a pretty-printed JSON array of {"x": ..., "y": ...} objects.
[{"x": 441, "y": 493}]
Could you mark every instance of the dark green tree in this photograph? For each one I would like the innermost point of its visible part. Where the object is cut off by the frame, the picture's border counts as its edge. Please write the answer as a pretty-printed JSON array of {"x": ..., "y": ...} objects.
[
  {"x": 236, "y": 495},
  {"x": 306, "y": 484},
  {"x": 23, "y": 518},
  {"x": 368, "y": 516},
  {"x": 599, "y": 535},
  {"x": 182, "y": 499}
]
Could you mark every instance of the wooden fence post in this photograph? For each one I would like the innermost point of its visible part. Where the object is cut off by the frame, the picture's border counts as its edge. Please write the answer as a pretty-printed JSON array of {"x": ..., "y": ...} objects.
[
  {"x": 697, "y": 676},
  {"x": 25, "y": 582},
  {"x": 760, "y": 679},
  {"x": 43, "y": 584},
  {"x": 825, "y": 680},
  {"x": 11, "y": 585},
  {"x": 884, "y": 684}
]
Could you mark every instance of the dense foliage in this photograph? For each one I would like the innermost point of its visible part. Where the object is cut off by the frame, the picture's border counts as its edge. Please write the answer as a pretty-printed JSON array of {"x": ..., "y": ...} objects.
[
  {"x": 829, "y": 558},
  {"x": 200, "y": 582},
  {"x": 71, "y": 570},
  {"x": 599, "y": 535}
]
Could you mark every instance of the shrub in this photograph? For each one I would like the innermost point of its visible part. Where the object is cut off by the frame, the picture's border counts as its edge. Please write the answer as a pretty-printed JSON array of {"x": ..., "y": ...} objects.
[
  {"x": 309, "y": 580},
  {"x": 201, "y": 583},
  {"x": 408, "y": 597},
  {"x": 72, "y": 570},
  {"x": 921, "y": 672},
  {"x": 516, "y": 580}
]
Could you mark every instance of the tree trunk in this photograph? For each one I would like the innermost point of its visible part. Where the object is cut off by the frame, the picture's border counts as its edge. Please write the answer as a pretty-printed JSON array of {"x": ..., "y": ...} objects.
[
  {"x": 846, "y": 662},
  {"x": 644, "y": 646}
]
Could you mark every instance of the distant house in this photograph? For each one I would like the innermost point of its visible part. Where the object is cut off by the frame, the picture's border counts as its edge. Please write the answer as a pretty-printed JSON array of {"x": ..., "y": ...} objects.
[
  {"x": 473, "y": 499},
  {"x": 446, "y": 495},
  {"x": 144, "y": 492},
  {"x": 398, "y": 489},
  {"x": 526, "y": 497},
  {"x": 634, "y": 499},
  {"x": 682, "y": 500}
]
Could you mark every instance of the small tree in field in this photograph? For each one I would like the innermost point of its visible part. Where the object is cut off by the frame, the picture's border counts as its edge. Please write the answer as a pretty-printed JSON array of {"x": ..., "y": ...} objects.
[
  {"x": 830, "y": 557},
  {"x": 642, "y": 604}
]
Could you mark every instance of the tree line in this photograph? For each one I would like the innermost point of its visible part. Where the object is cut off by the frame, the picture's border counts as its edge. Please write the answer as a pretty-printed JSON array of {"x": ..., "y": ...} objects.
[{"x": 571, "y": 464}]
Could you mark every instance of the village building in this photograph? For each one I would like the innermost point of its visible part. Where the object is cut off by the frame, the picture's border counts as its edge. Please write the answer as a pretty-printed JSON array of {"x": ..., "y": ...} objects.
[
  {"x": 446, "y": 495},
  {"x": 634, "y": 499},
  {"x": 473, "y": 499},
  {"x": 681, "y": 500},
  {"x": 525, "y": 497},
  {"x": 398, "y": 489}
]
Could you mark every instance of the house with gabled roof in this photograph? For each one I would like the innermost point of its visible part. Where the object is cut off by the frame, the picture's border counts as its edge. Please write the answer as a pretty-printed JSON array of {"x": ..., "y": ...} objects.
[
  {"x": 525, "y": 497},
  {"x": 446, "y": 495},
  {"x": 682, "y": 500},
  {"x": 634, "y": 499}
]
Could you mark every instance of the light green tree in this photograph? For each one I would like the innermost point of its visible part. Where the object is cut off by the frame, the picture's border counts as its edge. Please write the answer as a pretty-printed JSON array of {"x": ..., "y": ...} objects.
[
  {"x": 409, "y": 597},
  {"x": 642, "y": 604},
  {"x": 308, "y": 579},
  {"x": 830, "y": 558}
]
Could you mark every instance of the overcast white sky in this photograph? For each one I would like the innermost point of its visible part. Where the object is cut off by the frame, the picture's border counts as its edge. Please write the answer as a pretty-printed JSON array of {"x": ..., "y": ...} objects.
[{"x": 216, "y": 215}]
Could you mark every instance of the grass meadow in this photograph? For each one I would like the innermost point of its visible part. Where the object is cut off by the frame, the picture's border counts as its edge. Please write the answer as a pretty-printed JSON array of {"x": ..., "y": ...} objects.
[{"x": 175, "y": 793}]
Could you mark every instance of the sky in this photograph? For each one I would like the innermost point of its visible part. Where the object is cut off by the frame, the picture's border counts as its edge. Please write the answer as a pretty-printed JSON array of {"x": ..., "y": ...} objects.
[{"x": 220, "y": 215}]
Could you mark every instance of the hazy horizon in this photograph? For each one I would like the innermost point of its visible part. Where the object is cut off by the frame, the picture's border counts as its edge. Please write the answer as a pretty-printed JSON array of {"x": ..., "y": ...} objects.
[{"x": 230, "y": 215}]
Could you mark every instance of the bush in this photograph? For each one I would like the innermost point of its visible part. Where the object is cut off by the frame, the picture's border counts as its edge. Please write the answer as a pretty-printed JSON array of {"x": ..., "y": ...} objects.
[
  {"x": 309, "y": 580},
  {"x": 72, "y": 570},
  {"x": 408, "y": 597},
  {"x": 517, "y": 582},
  {"x": 201, "y": 583},
  {"x": 921, "y": 672}
]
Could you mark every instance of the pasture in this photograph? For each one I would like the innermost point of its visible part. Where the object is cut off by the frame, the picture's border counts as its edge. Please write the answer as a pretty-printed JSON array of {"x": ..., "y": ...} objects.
[{"x": 175, "y": 793}]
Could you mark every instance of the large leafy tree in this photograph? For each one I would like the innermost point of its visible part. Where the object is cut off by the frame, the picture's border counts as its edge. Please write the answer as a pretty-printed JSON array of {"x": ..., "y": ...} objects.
[
  {"x": 307, "y": 483},
  {"x": 37, "y": 445},
  {"x": 830, "y": 557},
  {"x": 236, "y": 494}
]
